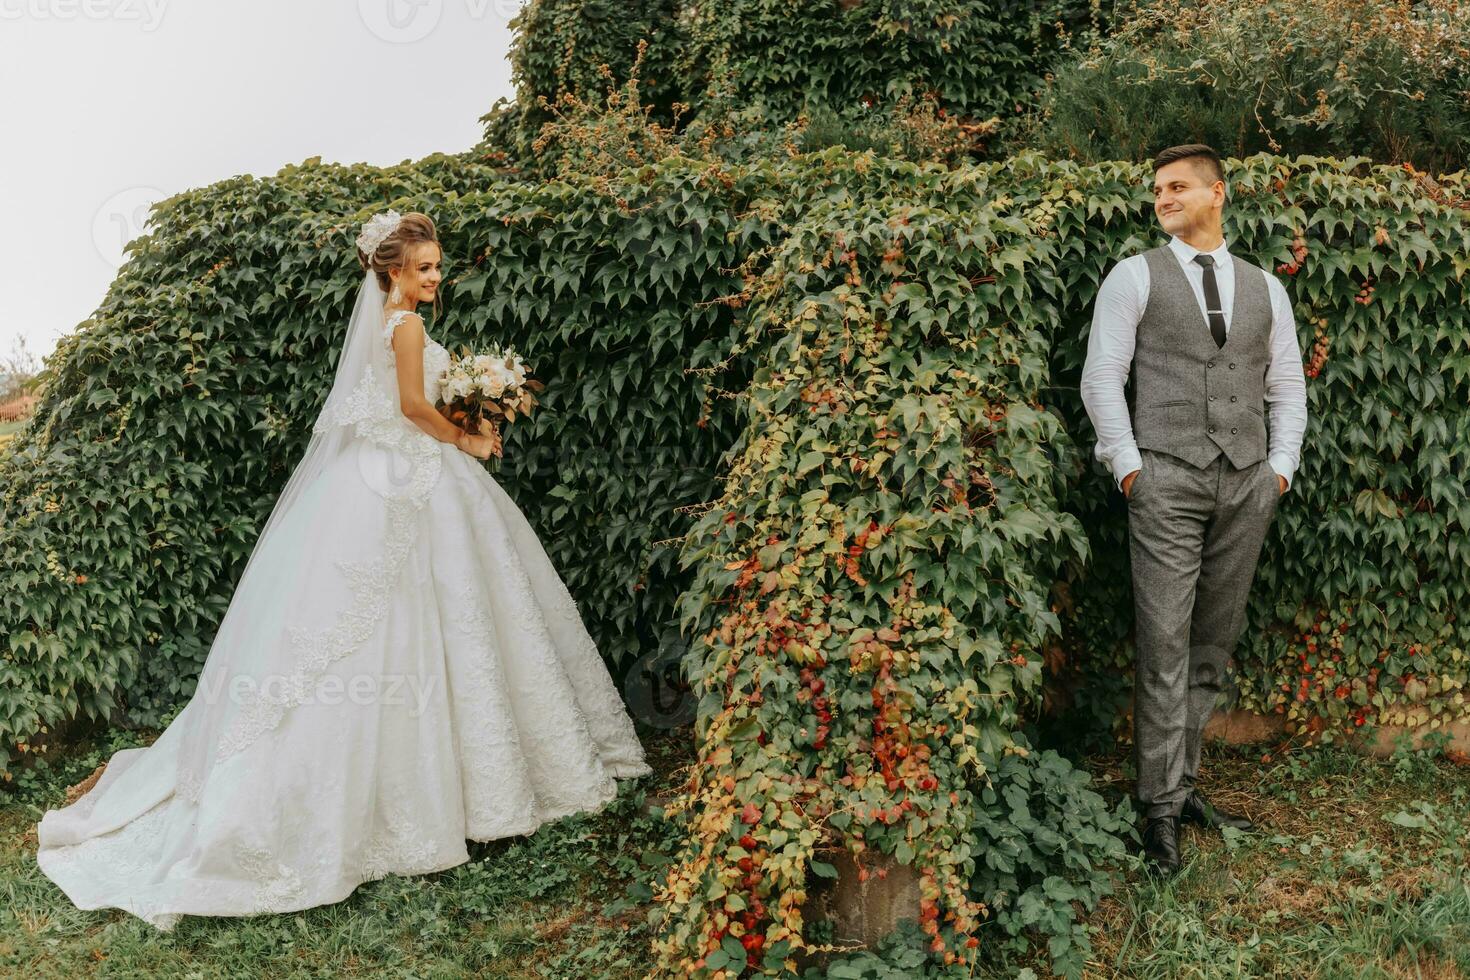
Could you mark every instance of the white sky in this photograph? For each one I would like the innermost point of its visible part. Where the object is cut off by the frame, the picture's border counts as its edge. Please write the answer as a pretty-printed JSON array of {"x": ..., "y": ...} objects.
[{"x": 107, "y": 106}]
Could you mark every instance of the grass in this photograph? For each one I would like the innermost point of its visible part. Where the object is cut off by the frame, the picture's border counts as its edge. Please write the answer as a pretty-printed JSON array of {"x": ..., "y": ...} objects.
[
  {"x": 555, "y": 904},
  {"x": 1358, "y": 869}
]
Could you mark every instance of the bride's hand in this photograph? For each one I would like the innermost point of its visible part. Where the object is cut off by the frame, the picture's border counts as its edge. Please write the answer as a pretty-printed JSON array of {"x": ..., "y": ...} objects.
[{"x": 480, "y": 447}]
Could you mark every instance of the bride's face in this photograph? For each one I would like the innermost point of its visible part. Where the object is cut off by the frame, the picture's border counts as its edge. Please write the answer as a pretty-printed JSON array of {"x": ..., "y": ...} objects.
[{"x": 419, "y": 278}]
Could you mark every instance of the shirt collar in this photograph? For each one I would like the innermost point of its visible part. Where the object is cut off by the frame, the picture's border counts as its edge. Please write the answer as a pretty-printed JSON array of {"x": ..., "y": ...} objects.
[{"x": 1186, "y": 252}]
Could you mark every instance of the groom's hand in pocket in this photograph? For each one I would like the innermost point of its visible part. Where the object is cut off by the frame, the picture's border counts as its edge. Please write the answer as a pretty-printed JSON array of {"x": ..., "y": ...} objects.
[{"x": 1128, "y": 483}]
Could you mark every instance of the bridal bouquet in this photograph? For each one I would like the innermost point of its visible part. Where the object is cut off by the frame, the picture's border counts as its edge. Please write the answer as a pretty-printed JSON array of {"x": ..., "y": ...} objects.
[{"x": 477, "y": 391}]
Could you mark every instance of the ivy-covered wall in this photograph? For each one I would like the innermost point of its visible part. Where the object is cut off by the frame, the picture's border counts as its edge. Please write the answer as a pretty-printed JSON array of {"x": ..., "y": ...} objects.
[{"x": 821, "y": 410}]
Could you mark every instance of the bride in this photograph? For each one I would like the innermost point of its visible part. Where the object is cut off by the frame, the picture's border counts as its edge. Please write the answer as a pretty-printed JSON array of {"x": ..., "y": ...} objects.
[{"x": 400, "y": 667}]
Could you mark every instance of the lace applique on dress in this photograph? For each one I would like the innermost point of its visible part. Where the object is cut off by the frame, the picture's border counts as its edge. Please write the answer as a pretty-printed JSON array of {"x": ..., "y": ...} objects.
[
  {"x": 564, "y": 605},
  {"x": 472, "y": 617},
  {"x": 394, "y": 318},
  {"x": 494, "y": 799},
  {"x": 368, "y": 402},
  {"x": 399, "y": 848},
  {"x": 189, "y": 785},
  {"x": 276, "y": 884},
  {"x": 127, "y": 854}
]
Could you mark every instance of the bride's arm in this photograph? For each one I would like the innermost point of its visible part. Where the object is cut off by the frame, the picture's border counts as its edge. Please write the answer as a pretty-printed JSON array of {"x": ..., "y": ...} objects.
[{"x": 408, "y": 351}]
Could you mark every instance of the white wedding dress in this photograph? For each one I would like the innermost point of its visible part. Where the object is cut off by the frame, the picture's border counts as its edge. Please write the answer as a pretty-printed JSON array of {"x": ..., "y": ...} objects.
[{"x": 400, "y": 669}]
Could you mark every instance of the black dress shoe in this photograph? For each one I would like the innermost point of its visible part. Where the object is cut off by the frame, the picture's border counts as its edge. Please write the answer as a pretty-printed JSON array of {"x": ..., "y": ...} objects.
[
  {"x": 1199, "y": 810},
  {"x": 1161, "y": 843}
]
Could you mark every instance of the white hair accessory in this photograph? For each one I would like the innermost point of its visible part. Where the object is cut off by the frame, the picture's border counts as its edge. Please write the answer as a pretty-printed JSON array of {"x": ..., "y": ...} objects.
[{"x": 378, "y": 227}]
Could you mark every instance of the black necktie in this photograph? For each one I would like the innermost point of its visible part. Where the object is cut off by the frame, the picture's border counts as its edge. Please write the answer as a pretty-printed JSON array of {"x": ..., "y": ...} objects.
[{"x": 1212, "y": 300}]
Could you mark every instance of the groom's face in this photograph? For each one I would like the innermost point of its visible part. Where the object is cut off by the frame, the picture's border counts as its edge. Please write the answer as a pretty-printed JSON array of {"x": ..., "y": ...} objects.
[{"x": 1187, "y": 198}]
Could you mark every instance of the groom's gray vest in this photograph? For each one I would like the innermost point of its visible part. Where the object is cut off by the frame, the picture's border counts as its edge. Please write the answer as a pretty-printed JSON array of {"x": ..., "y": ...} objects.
[{"x": 1192, "y": 399}]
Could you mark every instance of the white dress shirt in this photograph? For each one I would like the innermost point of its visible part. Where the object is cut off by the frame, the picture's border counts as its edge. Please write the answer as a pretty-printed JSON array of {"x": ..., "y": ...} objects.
[{"x": 1120, "y": 303}]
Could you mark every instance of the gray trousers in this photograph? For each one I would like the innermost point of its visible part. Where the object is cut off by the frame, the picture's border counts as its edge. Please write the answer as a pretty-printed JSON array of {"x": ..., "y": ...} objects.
[{"x": 1194, "y": 538}]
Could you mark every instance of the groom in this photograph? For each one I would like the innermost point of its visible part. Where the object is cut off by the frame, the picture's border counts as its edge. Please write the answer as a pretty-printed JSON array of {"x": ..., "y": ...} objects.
[{"x": 1211, "y": 343}]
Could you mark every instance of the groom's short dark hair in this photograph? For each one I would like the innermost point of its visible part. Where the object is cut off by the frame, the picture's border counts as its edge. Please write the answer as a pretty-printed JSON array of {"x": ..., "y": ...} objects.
[{"x": 1206, "y": 160}]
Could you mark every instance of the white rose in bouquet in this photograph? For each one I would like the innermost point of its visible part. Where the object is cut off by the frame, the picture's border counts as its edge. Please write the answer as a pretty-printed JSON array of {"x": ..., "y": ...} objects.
[
  {"x": 504, "y": 376},
  {"x": 491, "y": 383}
]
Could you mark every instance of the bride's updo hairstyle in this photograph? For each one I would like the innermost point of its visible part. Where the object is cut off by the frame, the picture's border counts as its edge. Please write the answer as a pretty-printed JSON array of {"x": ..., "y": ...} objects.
[{"x": 414, "y": 228}]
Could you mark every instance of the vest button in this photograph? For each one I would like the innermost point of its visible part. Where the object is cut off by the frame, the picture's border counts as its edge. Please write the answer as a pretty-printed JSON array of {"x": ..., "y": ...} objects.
[
  {"x": 1233, "y": 430},
  {"x": 1210, "y": 364},
  {"x": 1212, "y": 430},
  {"x": 1232, "y": 365},
  {"x": 1212, "y": 398},
  {"x": 1232, "y": 398}
]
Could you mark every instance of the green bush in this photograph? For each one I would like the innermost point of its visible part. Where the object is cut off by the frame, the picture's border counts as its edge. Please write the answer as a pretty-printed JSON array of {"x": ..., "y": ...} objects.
[
  {"x": 1047, "y": 839},
  {"x": 744, "y": 71},
  {"x": 980, "y": 58},
  {"x": 1378, "y": 78},
  {"x": 583, "y": 49}
]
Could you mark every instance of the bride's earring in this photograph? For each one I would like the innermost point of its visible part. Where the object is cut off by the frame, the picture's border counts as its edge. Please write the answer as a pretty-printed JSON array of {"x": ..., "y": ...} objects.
[{"x": 395, "y": 296}]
